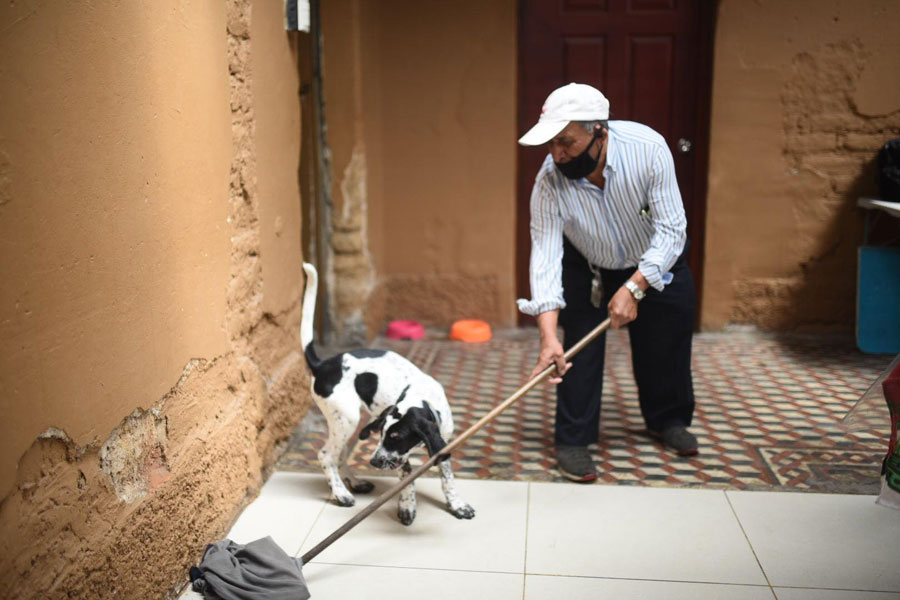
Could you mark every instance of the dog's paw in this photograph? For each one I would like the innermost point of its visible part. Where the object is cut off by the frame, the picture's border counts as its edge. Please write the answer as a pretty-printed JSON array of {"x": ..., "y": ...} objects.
[
  {"x": 360, "y": 487},
  {"x": 406, "y": 516},
  {"x": 343, "y": 500},
  {"x": 462, "y": 511}
]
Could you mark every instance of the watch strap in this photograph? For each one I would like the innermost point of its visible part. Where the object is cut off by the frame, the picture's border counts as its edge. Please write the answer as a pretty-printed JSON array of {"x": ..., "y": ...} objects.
[{"x": 636, "y": 291}]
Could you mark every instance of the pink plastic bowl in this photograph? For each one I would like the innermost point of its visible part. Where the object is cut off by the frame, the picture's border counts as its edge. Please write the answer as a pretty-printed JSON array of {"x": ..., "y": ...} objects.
[{"x": 405, "y": 330}]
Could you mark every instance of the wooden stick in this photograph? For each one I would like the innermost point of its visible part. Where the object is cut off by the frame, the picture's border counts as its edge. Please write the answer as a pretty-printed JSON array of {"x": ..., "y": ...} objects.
[{"x": 446, "y": 450}]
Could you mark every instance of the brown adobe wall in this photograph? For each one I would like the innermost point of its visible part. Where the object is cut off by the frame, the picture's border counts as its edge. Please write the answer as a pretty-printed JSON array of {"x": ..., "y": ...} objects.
[
  {"x": 149, "y": 363},
  {"x": 421, "y": 127},
  {"x": 804, "y": 95}
]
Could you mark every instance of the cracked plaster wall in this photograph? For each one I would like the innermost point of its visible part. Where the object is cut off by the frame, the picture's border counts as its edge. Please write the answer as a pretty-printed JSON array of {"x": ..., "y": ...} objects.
[
  {"x": 804, "y": 95},
  {"x": 149, "y": 321}
]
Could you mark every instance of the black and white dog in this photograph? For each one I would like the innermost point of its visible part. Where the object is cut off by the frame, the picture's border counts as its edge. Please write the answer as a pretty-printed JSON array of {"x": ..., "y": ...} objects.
[{"x": 411, "y": 409}]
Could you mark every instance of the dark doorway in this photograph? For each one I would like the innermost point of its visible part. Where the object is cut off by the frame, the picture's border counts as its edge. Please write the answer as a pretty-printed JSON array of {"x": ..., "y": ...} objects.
[{"x": 651, "y": 58}]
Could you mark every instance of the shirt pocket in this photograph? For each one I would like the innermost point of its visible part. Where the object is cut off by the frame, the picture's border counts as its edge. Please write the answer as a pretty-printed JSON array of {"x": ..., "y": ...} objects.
[{"x": 645, "y": 220}]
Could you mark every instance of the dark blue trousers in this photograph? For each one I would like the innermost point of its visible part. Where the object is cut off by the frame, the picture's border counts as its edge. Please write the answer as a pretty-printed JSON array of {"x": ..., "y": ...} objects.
[{"x": 660, "y": 350}]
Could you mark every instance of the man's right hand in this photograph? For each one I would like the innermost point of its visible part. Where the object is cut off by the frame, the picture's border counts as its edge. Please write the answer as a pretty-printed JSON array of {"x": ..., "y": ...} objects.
[
  {"x": 551, "y": 353},
  {"x": 551, "y": 350}
]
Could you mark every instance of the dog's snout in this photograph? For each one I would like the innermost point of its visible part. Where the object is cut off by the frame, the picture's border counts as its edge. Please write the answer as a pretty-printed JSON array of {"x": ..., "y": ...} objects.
[{"x": 384, "y": 460}]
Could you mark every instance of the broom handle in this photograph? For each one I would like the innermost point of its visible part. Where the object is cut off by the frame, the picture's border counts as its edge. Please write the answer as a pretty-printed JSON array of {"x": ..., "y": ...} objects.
[{"x": 446, "y": 450}]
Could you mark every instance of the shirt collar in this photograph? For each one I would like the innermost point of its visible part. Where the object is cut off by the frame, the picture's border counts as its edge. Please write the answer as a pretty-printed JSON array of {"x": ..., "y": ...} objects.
[{"x": 611, "y": 154}]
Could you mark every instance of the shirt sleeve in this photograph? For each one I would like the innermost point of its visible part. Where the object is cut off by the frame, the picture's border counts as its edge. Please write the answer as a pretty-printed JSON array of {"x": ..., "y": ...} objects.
[
  {"x": 669, "y": 222},
  {"x": 545, "y": 268}
]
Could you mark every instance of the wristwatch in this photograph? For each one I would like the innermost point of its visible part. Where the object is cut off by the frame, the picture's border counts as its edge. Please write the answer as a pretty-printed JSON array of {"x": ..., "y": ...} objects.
[{"x": 637, "y": 292}]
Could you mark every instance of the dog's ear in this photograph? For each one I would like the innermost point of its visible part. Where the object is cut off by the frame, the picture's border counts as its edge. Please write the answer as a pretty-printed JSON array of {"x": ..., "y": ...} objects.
[
  {"x": 370, "y": 427},
  {"x": 433, "y": 415},
  {"x": 375, "y": 424},
  {"x": 427, "y": 429}
]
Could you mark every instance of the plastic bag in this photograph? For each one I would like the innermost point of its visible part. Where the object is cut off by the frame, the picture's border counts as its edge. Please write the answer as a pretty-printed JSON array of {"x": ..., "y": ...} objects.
[
  {"x": 878, "y": 409},
  {"x": 871, "y": 410}
]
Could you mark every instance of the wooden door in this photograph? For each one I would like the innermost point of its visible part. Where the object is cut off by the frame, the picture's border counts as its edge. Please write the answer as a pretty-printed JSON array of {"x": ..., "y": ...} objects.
[{"x": 651, "y": 58}]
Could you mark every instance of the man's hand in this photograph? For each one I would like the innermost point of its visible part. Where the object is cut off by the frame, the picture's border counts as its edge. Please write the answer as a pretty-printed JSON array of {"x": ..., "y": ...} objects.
[
  {"x": 551, "y": 350},
  {"x": 551, "y": 353},
  {"x": 622, "y": 308}
]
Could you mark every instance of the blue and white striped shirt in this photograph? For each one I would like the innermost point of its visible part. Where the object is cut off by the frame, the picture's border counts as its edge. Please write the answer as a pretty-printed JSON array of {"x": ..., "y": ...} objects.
[{"x": 610, "y": 226}]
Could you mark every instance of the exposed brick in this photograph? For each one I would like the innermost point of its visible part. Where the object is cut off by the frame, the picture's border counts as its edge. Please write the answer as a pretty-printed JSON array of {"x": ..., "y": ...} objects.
[
  {"x": 830, "y": 122},
  {"x": 812, "y": 142},
  {"x": 869, "y": 142},
  {"x": 831, "y": 163},
  {"x": 351, "y": 263},
  {"x": 347, "y": 263},
  {"x": 346, "y": 242}
]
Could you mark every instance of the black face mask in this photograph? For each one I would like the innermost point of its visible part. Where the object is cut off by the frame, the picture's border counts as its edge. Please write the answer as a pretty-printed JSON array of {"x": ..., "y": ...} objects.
[{"x": 583, "y": 164}]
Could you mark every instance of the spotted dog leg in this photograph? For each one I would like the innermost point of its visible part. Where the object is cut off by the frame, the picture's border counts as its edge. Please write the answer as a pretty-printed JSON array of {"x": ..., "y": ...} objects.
[
  {"x": 341, "y": 425},
  {"x": 457, "y": 507},
  {"x": 356, "y": 485},
  {"x": 406, "y": 511}
]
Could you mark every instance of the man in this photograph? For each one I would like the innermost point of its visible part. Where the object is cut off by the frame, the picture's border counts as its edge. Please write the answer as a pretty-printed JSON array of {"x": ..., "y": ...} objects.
[{"x": 608, "y": 238}]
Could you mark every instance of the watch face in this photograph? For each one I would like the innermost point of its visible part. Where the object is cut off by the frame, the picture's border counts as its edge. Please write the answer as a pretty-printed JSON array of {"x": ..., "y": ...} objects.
[{"x": 637, "y": 292}]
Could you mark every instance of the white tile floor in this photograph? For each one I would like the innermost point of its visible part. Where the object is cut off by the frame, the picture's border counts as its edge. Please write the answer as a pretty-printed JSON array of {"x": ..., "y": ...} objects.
[{"x": 536, "y": 541}]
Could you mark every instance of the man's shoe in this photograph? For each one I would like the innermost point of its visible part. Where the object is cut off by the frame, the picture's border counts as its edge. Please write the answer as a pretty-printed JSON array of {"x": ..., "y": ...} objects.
[
  {"x": 575, "y": 463},
  {"x": 679, "y": 439}
]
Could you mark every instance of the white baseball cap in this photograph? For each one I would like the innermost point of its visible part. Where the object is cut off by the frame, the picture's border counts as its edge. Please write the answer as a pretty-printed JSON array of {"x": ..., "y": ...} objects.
[{"x": 573, "y": 102}]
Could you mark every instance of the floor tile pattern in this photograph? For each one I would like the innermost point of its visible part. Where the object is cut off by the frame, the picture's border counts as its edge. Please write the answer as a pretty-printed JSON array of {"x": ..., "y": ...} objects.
[
  {"x": 767, "y": 415},
  {"x": 536, "y": 540}
]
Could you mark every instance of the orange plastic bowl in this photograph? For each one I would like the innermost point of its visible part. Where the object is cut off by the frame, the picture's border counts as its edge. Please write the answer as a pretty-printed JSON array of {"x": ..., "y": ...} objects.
[
  {"x": 470, "y": 330},
  {"x": 405, "y": 330}
]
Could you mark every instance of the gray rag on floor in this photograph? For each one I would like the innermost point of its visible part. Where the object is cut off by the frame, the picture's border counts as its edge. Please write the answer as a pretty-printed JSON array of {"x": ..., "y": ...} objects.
[{"x": 260, "y": 570}]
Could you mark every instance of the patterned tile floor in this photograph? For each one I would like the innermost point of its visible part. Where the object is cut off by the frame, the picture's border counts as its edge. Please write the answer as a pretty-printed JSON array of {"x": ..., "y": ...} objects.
[{"x": 767, "y": 414}]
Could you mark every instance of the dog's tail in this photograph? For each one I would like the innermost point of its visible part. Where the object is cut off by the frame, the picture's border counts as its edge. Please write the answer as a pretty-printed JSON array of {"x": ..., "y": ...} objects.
[{"x": 309, "y": 314}]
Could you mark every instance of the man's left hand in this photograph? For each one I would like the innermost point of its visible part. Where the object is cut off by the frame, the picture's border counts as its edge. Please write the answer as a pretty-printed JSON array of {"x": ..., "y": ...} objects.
[{"x": 622, "y": 308}]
